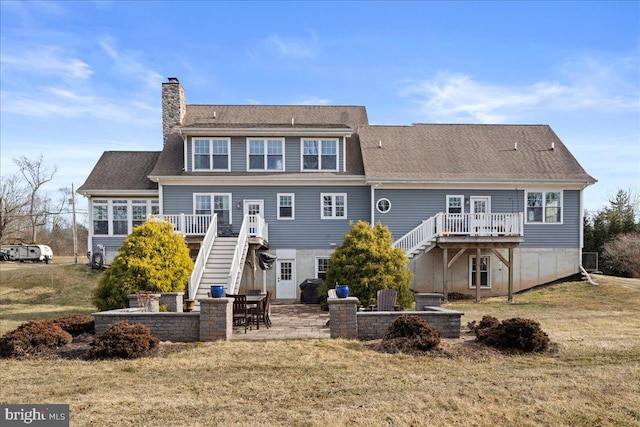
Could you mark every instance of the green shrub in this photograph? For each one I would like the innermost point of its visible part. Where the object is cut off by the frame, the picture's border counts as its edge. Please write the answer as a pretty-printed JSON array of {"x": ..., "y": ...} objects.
[
  {"x": 124, "y": 341},
  {"x": 410, "y": 333},
  {"x": 515, "y": 334},
  {"x": 33, "y": 338},
  {"x": 152, "y": 258},
  {"x": 366, "y": 262},
  {"x": 76, "y": 324}
]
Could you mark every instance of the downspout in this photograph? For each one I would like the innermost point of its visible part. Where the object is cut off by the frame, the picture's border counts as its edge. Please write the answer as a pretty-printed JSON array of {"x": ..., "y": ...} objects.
[{"x": 373, "y": 206}]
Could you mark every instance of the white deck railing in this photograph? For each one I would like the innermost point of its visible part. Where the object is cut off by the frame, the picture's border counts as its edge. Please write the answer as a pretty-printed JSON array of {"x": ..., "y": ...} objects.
[
  {"x": 258, "y": 227},
  {"x": 420, "y": 236},
  {"x": 480, "y": 224},
  {"x": 442, "y": 225},
  {"x": 190, "y": 225},
  {"x": 203, "y": 254},
  {"x": 238, "y": 255}
]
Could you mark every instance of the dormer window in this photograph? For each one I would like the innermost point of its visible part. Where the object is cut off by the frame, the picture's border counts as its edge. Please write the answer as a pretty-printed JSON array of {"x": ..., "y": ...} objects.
[
  {"x": 320, "y": 154},
  {"x": 210, "y": 154},
  {"x": 265, "y": 154}
]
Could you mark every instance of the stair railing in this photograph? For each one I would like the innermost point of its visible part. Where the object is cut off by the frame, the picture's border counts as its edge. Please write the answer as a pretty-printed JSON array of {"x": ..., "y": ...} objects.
[
  {"x": 420, "y": 236},
  {"x": 203, "y": 254},
  {"x": 238, "y": 255}
]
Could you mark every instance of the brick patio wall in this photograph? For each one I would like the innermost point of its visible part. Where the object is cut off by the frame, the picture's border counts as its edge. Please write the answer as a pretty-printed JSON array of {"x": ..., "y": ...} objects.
[
  {"x": 213, "y": 322},
  {"x": 345, "y": 321},
  {"x": 164, "y": 326}
]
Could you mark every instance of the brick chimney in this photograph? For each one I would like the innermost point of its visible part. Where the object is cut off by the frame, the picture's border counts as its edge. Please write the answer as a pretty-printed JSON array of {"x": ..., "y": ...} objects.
[{"x": 173, "y": 105}]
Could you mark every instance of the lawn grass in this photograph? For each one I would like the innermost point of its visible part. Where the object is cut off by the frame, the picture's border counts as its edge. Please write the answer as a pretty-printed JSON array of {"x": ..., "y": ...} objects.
[
  {"x": 591, "y": 377},
  {"x": 39, "y": 291}
]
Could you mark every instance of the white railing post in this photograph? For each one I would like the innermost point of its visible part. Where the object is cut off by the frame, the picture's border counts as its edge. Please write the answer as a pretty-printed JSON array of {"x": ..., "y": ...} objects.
[
  {"x": 203, "y": 254},
  {"x": 236, "y": 265}
]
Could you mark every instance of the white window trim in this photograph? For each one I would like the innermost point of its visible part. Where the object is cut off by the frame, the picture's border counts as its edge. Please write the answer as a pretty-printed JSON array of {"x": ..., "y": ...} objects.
[
  {"x": 210, "y": 139},
  {"x": 471, "y": 273},
  {"x": 318, "y": 258},
  {"x": 265, "y": 154},
  {"x": 211, "y": 195},
  {"x": 544, "y": 202},
  {"x": 378, "y": 207},
  {"x": 453, "y": 196},
  {"x": 293, "y": 207},
  {"x": 333, "y": 206},
  {"x": 320, "y": 169},
  {"x": 110, "y": 203}
]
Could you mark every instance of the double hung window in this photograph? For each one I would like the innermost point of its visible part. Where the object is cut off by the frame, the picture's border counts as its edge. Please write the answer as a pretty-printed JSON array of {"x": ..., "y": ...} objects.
[
  {"x": 286, "y": 206},
  {"x": 210, "y": 154},
  {"x": 101, "y": 217},
  {"x": 266, "y": 154},
  {"x": 455, "y": 204},
  {"x": 544, "y": 207},
  {"x": 320, "y": 154},
  {"x": 208, "y": 204}
]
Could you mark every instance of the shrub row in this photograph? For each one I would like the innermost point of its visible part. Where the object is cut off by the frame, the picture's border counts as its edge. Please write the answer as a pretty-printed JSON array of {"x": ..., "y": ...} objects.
[
  {"x": 511, "y": 334},
  {"x": 33, "y": 338}
]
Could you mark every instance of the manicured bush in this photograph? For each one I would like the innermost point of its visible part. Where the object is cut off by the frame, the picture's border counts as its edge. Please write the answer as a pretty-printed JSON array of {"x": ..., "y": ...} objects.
[
  {"x": 33, "y": 338},
  {"x": 76, "y": 324},
  {"x": 514, "y": 334},
  {"x": 367, "y": 262},
  {"x": 152, "y": 258},
  {"x": 410, "y": 333},
  {"x": 124, "y": 341}
]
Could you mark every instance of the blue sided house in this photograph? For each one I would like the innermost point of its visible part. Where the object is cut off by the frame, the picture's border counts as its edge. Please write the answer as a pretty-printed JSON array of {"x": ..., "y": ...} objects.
[{"x": 479, "y": 209}]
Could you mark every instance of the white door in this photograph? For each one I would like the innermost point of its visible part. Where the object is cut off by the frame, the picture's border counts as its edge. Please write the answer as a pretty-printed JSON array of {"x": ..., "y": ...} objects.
[
  {"x": 254, "y": 207},
  {"x": 285, "y": 279},
  {"x": 480, "y": 224}
]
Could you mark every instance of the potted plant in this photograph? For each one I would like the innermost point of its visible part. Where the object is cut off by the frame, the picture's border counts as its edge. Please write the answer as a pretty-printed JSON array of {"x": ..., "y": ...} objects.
[{"x": 342, "y": 291}]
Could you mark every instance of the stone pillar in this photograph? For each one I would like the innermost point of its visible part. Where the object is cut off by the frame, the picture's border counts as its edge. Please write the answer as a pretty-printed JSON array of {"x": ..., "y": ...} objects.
[
  {"x": 173, "y": 300},
  {"x": 216, "y": 319},
  {"x": 152, "y": 305},
  {"x": 343, "y": 317},
  {"x": 427, "y": 300}
]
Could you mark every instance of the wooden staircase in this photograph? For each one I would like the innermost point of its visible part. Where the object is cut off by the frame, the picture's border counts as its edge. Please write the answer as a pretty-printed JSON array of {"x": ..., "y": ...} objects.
[{"x": 218, "y": 265}]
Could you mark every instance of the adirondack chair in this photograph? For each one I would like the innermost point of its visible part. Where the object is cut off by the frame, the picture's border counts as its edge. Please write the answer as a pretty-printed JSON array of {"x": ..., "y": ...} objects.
[{"x": 386, "y": 299}]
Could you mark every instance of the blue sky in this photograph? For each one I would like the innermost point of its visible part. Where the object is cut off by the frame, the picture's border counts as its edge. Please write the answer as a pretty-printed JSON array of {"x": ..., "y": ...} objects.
[{"x": 79, "y": 78}]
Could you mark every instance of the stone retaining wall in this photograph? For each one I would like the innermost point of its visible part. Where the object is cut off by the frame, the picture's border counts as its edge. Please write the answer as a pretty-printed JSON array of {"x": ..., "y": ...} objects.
[
  {"x": 345, "y": 321},
  {"x": 374, "y": 324},
  {"x": 164, "y": 326},
  {"x": 213, "y": 322}
]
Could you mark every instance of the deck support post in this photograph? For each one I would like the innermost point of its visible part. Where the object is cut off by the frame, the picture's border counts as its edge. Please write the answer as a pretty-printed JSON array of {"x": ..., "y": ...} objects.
[
  {"x": 445, "y": 273},
  {"x": 478, "y": 253},
  {"x": 510, "y": 297}
]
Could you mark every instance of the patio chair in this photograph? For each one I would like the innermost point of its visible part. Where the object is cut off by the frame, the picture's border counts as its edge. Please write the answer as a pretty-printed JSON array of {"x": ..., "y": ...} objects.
[
  {"x": 241, "y": 312},
  {"x": 261, "y": 312},
  {"x": 386, "y": 299}
]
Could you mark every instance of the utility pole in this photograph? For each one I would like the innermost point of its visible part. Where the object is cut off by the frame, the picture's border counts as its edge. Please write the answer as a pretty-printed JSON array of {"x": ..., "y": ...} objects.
[{"x": 75, "y": 233}]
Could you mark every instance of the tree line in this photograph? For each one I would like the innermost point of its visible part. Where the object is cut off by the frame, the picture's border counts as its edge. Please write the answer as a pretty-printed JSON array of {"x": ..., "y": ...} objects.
[
  {"x": 30, "y": 215},
  {"x": 614, "y": 233}
]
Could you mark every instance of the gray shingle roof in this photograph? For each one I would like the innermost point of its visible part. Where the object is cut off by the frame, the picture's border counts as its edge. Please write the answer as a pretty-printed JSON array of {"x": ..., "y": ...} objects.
[
  {"x": 122, "y": 170},
  {"x": 464, "y": 153},
  {"x": 352, "y": 116}
]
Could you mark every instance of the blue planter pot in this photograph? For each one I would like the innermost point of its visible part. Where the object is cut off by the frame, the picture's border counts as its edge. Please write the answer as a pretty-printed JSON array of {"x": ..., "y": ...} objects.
[
  {"x": 217, "y": 291},
  {"x": 342, "y": 291}
]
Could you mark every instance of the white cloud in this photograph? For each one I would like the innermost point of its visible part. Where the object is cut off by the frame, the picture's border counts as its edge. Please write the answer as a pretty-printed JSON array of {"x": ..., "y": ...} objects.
[
  {"x": 131, "y": 65},
  {"x": 47, "y": 60},
  {"x": 293, "y": 47},
  {"x": 581, "y": 83}
]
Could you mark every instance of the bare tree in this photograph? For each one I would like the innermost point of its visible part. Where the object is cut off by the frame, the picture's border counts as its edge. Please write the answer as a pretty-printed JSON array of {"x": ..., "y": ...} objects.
[
  {"x": 13, "y": 207},
  {"x": 39, "y": 206}
]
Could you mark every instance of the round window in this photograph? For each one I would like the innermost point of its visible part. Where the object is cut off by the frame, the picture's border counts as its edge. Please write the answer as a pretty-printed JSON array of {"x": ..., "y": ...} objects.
[{"x": 383, "y": 205}]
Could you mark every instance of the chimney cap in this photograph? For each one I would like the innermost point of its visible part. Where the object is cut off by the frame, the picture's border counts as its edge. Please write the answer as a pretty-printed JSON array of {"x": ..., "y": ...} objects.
[{"x": 173, "y": 80}]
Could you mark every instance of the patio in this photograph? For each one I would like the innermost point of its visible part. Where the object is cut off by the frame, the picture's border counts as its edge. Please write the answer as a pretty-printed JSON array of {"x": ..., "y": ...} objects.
[{"x": 290, "y": 321}]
